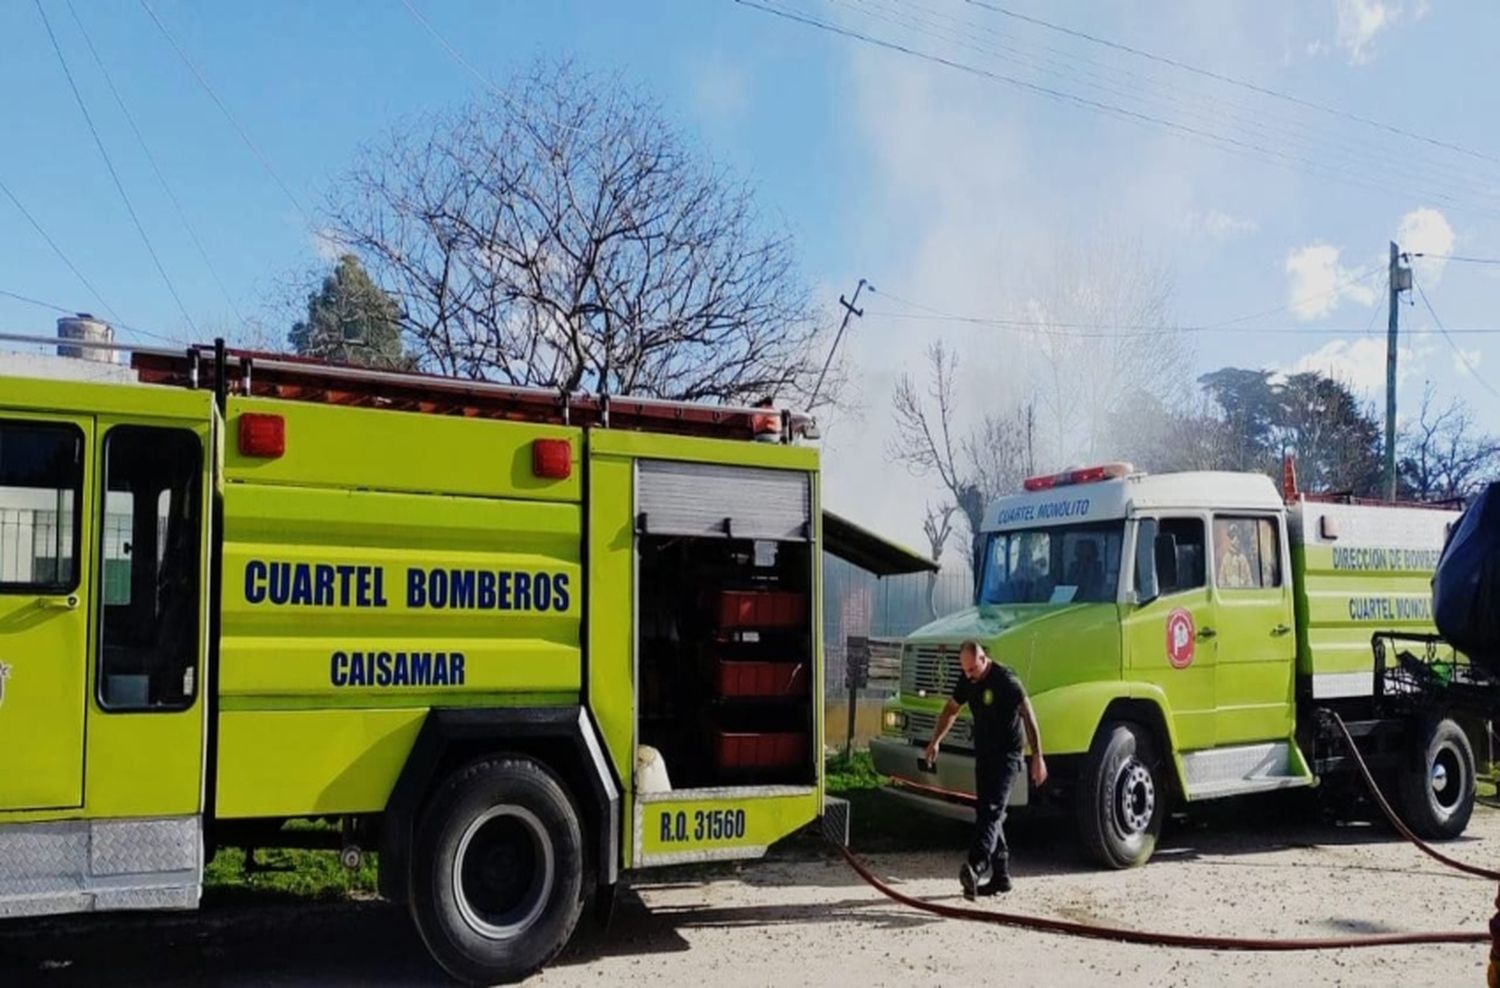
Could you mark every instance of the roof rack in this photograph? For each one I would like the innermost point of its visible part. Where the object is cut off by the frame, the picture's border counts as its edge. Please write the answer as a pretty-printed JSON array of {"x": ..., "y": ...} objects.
[{"x": 273, "y": 375}]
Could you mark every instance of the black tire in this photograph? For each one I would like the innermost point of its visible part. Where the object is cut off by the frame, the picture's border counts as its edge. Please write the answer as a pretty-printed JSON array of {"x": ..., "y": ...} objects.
[
  {"x": 498, "y": 871},
  {"x": 1122, "y": 797},
  {"x": 1435, "y": 788}
]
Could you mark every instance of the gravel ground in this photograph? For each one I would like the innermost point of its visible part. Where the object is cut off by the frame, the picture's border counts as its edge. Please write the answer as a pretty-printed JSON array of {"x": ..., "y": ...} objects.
[{"x": 803, "y": 918}]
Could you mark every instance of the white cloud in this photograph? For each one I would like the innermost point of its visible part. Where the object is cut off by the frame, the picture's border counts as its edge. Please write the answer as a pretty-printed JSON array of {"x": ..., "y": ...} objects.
[
  {"x": 1317, "y": 48},
  {"x": 1214, "y": 224},
  {"x": 1318, "y": 283},
  {"x": 1426, "y": 231},
  {"x": 1360, "y": 364},
  {"x": 1359, "y": 21}
]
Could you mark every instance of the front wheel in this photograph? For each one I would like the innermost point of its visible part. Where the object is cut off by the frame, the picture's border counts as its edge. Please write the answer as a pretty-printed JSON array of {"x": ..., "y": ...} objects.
[
  {"x": 1121, "y": 798},
  {"x": 1436, "y": 784},
  {"x": 498, "y": 871}
]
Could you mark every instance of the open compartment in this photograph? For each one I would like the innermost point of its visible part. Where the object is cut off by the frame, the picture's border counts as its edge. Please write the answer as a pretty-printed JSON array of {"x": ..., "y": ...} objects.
[{"x": 725, "y": 611}]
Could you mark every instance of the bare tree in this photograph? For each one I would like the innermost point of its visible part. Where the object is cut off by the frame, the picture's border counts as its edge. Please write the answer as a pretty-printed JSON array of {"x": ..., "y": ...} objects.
[
  {"x": 1102, "y": 335},
  {"x": 564, "y": 236},
  {"x": 975, "y": 464},
  {"x": 1443, "y": 456},
  {"x": 937, "y": 525}
]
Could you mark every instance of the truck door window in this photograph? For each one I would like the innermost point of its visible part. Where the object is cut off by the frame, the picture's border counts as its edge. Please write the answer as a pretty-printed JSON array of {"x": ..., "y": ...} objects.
[
  {"x": 1247, "y": 553},
  {"x": 41, "y": 484},
  {"x": 152, "y": 527},
  {"x": 1179, "y": 556}
]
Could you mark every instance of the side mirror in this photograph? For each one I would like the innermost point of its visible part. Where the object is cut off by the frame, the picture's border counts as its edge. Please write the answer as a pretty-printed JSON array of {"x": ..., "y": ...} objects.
[{"x": 1146, "y": 587}]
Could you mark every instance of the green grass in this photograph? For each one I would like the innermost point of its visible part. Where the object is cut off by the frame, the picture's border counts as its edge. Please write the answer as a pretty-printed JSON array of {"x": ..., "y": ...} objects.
[
  {"x": 852, "y": 774},
  {"x": 878, "y": 821},
  {"x": 290, "y": 873}
]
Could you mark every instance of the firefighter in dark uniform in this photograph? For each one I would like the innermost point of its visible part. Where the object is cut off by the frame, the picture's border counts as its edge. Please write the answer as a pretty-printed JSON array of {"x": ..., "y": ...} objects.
[{"x": 999, "y": 708}]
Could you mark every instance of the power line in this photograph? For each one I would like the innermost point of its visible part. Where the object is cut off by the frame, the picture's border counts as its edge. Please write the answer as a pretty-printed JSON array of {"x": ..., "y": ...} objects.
[
  {"x": 70, "y": 312},
  {"x": 38, "y": 302},
  {"x": 1232, "y": 81},
  {"x": 1152, "y": 328},
  {"x": 244, "y": 136},
  {"x": 1226, "y": 143},
  {"x": 162, "y": 178},
  {"x": 58, "y": 251},
  {"x": 110, "y": 165},
  {"x": 1464, "y": 357},
  {"x": 1456, "y": 257},
  {"x": 1354, "y": 160},
  {"x": 472, "y": 70},
  {"x": 1109, "y": 331}
]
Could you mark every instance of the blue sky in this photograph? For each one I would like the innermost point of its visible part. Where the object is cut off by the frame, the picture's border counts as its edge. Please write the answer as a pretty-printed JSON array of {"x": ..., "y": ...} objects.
[{"x": 938, "y": 186}]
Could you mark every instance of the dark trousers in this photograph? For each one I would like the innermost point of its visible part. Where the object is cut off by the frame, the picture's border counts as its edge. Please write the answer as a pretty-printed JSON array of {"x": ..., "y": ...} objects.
[{"x": 993, "y": 778}]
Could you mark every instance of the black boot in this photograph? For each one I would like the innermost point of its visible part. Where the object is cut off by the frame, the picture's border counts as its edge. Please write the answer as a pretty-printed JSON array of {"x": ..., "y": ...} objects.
[
  {"x": 972, "y": 877},
  {"x": 999, "y": 879}
]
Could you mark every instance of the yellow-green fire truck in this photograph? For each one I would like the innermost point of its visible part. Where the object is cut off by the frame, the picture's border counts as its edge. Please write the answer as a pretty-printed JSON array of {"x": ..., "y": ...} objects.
[
  {"x": 449, "y": 617},
  {"x": 1177, "y": 634}
]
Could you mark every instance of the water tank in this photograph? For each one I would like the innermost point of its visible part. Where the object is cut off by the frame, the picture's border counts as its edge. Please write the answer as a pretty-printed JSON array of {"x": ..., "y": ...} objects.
[{"x": 85, "y": 327}]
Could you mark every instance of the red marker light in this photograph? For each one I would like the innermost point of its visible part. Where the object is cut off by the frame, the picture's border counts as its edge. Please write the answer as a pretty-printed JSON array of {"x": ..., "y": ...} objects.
[
  {"x": 1084, "y": 475},
  {"x": 262, "y": 435},
  {"x": 552, "y": 458}
]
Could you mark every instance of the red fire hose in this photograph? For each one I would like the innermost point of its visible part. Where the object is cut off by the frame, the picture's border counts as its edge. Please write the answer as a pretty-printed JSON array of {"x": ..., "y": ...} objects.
[{"x": 1190, "y": 941}]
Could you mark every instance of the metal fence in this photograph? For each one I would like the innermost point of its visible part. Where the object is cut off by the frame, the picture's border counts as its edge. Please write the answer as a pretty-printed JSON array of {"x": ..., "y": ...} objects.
[
  {"x": 32, "y": 546},
  {"x": 857, "y": 603}
]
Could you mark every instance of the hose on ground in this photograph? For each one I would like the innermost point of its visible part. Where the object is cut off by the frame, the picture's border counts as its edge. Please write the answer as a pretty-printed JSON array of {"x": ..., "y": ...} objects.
[
  {"x": 1192, "y": 941},
  {"x": 1390, "y": 814}
]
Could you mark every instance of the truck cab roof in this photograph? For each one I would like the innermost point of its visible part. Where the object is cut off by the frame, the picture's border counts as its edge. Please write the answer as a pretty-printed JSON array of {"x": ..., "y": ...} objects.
[{"x": 1114, "y": 497}]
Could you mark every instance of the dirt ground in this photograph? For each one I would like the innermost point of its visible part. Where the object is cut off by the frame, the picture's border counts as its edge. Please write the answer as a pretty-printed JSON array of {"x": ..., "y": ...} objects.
[{"x": 804, "y": 918}]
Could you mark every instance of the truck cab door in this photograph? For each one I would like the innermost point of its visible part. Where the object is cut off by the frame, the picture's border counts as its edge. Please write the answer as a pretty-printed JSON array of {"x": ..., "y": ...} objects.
[
  {"x": 44, "y": 607},
  {"x": 1257, "y": 649},
  {"x": 1170, "y": 625}
]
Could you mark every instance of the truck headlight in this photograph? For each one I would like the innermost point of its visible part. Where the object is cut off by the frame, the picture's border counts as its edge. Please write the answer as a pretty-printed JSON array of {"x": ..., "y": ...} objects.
[{"x": 895, "y": 721}]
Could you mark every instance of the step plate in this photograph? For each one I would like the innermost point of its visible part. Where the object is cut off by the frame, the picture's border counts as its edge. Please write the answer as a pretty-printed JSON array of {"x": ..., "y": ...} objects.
[
  {"x": 1241, "y": 769},
  {"x": 97, "y": 865}
]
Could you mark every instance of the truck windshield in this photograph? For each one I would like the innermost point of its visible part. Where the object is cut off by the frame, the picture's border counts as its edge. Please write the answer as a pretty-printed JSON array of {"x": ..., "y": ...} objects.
[{"x": 1062, "y": 565}]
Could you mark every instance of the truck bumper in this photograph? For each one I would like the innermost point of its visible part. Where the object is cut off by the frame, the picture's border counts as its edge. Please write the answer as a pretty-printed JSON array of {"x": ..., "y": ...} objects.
[{"x": 949, "y": 792}]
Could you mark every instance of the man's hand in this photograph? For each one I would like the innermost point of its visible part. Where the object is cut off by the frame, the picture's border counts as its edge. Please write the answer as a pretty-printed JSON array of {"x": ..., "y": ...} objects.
[
  {"x": 930, "y": 755},
  {"x": 1038, "y": 770}
]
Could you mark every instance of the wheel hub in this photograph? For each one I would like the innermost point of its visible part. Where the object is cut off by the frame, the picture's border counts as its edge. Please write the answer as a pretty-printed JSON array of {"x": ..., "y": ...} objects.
[
  {"x": 503, "y": 871},
  {"x": 1135, "y": 797},
  {"x": 1446, "y": 778}
]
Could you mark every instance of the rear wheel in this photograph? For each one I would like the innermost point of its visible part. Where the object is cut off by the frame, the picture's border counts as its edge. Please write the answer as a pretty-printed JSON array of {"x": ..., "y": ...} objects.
[
  {"x": 498, "y": 871},
  {"x": 1121, "y": 798},
  {"x": 1436, "y": 786}
]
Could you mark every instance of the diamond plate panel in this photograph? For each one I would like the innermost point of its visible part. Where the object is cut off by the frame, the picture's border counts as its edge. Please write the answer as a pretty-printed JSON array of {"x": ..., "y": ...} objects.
[
  {"x": 836, "y": 817},
  {"x": 31, "y": 851},
  {"x": 177, "y": 897},
  {"x": 43, "y": 905},
  {"x": 81, "y": 866},
  {"x": 141, "y": 847},
  {"x": 1205, "y": 768}
]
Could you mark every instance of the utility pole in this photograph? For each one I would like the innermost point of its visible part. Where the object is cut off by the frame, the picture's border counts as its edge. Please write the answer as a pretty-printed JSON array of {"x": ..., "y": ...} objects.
[
  {"x": 1399, "y": 280},
  {"x": 849, "y": 310}
]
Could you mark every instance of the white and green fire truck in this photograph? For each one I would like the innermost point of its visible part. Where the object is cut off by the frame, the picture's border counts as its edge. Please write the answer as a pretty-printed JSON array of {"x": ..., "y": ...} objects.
[{"x": 1177, "y": 634}]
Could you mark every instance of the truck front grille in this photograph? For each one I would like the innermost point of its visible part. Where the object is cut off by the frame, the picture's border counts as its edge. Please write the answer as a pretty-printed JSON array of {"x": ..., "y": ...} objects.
[
  {"x": 919, "y": 729},
  {"x": 929, "y": 669}
]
